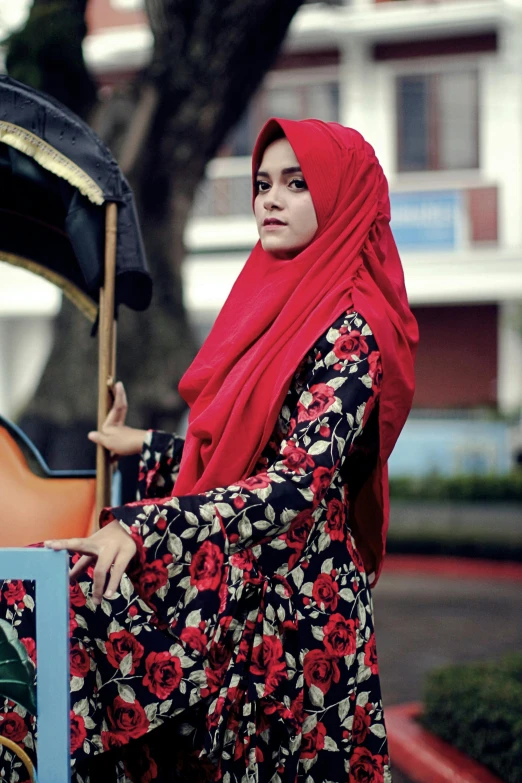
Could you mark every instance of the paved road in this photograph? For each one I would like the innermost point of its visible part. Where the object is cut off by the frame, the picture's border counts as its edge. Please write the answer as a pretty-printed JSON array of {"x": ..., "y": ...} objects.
[{"x": 426, "y": 621}]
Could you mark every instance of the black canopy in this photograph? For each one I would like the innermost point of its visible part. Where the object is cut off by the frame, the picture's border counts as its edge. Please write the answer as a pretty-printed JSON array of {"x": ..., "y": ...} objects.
[{"x": 55, "y": 177}]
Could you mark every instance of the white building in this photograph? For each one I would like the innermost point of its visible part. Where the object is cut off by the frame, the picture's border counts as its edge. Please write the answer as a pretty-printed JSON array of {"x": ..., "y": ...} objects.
[{"x": 436, "y": 87}]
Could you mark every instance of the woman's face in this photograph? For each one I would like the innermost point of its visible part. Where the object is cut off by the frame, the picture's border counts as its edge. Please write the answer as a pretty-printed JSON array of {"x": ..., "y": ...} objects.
[{"x": 285, "y": 214}]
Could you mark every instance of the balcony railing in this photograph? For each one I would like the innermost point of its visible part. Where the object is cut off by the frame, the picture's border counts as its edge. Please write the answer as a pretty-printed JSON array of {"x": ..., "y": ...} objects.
[
  {"x": 431, "y": 218},
  {"x": 221, "y": 196}
]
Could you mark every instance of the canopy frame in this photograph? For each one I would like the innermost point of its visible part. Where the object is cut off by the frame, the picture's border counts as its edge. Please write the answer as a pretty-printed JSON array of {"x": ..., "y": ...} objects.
[{"x": 106, "y": 356}]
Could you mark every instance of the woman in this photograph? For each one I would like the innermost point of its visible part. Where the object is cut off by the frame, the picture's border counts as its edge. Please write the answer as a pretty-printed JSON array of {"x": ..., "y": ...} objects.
[{"x": 235, "y": 641}]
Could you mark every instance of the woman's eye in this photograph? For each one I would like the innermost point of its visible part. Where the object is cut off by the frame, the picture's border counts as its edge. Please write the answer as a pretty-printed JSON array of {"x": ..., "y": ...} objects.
[
  {"x": 299, "y": 184},
  {"x": 262, "y": 186}
]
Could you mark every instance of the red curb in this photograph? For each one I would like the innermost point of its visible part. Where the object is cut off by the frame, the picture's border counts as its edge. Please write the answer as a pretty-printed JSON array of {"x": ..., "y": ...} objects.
[
  {"x": 424, "y": 757},
  {"x": 459, "y": 567}
]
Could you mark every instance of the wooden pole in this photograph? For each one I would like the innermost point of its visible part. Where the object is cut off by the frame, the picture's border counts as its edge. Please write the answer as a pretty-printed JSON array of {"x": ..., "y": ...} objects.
[{"x": 106, "y": 356}]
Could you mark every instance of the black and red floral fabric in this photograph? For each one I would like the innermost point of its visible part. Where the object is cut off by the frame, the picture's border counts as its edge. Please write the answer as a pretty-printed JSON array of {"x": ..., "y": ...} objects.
[{"x": 240, "y": 647}]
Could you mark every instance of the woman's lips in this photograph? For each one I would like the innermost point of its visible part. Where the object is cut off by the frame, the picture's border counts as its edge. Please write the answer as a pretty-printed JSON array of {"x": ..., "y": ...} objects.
[{"x": 271, "y": 224}]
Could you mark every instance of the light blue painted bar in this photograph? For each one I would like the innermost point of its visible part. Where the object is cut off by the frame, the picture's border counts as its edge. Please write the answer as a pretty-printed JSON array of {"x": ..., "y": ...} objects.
[
  {"x": 116, "y": 488},
  {"x": 50, "y": 571}
]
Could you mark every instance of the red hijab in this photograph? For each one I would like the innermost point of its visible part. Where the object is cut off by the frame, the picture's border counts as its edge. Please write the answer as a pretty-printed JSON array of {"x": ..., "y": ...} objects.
[{"x": 278, "y": 309}]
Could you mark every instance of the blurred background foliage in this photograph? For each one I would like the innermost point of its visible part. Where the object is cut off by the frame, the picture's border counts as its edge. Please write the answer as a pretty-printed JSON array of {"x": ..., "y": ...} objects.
[{"x": 478, "y": 709}]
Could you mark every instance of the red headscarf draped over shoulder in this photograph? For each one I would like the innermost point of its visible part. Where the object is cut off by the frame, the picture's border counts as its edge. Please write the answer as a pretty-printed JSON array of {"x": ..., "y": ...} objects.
[{"x": 278, "y": 309}]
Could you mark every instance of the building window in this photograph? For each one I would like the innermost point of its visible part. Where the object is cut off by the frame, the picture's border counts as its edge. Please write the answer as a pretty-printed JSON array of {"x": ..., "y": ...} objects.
[
  {"x": 294, "y": 102},
  {"x": 437, "y": 117}
]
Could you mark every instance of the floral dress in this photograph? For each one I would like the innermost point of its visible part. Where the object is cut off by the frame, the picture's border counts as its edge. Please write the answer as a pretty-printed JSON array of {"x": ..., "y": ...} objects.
[{"x": 240, "y": 647}]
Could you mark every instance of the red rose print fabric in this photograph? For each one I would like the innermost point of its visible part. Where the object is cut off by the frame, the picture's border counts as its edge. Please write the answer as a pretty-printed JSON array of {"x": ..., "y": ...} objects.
[{"x": 240, "y": 646}]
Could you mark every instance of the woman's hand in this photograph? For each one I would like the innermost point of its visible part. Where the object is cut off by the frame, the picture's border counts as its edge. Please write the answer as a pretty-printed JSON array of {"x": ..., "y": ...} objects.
[
  {"x": 111, "y": 549},
  {"x": 117, "y": 438}
]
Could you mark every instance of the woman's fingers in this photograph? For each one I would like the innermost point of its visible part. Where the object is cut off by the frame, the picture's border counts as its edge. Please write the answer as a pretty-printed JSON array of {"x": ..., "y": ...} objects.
[
  {"x": 119, "y": 440},
  {"x": 96, "y": 437},
  {"x": 84, "y": 546},
  {"x": 105, "y": 439},
  {"x": 118, "y": 569},
  {"x": 101, "y": 569},
  {"x": 118, "y": 412},
  {"x": 123, "y": 394},
  {"x": 111, "y": 546},
  {"x": 114, "y": 424},
  {"x": 78, "y": 568}
]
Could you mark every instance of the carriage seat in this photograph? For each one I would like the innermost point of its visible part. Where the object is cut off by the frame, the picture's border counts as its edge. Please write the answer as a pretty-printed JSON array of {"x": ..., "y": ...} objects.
[{"x": 39, "y": 503}]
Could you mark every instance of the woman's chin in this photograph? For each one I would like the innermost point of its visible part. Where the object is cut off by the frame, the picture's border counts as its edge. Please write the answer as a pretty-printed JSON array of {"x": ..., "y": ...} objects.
[{"x": 278, "y": 249}]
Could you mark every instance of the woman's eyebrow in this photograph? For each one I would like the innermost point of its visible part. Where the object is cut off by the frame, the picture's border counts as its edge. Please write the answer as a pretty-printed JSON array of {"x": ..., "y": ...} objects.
[{"x": 289, "y": 170}]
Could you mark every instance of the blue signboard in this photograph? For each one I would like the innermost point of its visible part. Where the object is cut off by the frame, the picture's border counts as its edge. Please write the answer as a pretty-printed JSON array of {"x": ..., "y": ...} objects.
[{"x": 426, "y": 220}]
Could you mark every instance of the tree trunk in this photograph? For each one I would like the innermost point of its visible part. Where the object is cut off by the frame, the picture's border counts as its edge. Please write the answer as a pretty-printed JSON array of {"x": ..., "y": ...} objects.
[{"x": 208, "y": 60}]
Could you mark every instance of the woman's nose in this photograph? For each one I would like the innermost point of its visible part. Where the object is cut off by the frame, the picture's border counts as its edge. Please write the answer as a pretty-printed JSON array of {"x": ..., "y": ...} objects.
[{"x": 273, "y": 200}]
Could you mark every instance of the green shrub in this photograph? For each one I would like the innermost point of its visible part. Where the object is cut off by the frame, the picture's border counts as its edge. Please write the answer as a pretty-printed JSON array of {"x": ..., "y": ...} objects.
[
  {"x": 478, "y": 709},
  {"x": 506, "y": 487}
]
